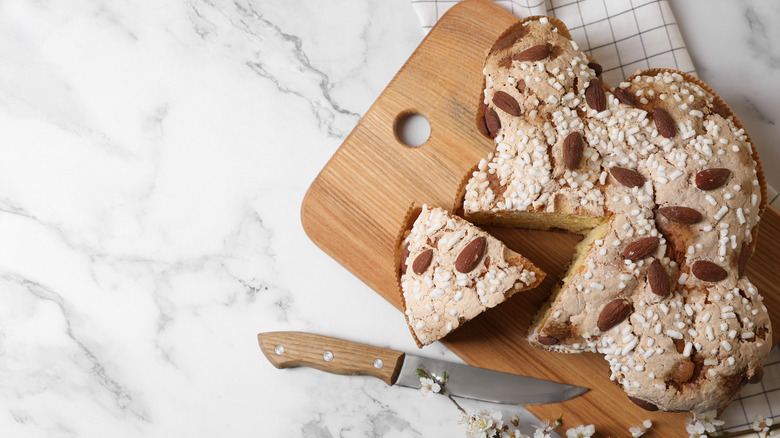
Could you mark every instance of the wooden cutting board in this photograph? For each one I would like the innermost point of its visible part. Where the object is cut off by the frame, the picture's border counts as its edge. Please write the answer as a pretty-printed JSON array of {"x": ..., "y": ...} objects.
[{"x": 355, "y": 210}]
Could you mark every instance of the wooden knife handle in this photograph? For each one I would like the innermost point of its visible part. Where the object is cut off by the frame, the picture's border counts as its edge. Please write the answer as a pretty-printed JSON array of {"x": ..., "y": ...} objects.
[{"x": 337, "y": 356}]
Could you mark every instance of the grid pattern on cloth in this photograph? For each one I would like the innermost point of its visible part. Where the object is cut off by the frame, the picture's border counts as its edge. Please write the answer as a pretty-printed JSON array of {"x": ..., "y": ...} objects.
[
  {"x": 625, "y": 36},
  {"x": 762, "y": 399}
]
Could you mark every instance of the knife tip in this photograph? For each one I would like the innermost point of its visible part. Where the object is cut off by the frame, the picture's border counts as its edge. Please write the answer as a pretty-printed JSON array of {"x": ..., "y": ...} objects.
[{"x": 577, "y": 391}]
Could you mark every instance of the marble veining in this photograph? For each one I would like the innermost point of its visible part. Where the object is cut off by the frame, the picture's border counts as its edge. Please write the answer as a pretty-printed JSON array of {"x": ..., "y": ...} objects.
[
  {"x": 153, "y": 158},
  {"x": 760, "y": 40},
  {"x": 734, "y": 46}
]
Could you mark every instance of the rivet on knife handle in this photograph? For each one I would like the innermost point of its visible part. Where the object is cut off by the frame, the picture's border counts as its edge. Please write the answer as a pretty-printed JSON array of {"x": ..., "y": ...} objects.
[{"x": 295, "y": 349}]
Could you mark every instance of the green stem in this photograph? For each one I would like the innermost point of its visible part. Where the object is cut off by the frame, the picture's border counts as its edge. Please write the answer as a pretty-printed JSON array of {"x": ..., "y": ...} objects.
[{"x": 453, "y": 400}]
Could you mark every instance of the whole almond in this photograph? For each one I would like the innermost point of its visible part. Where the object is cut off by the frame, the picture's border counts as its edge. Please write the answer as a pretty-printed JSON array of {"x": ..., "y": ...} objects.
[
  {"x": 506, "y": 102},
  {"x": 646, "y": 405},
  {"x": 627, "y": 177},
  {"x": 509, "y": 39},
  {"x": 482, "y": 126},
  {"x": 535, "y": 53},
  {"x": 719, "y": 110},
  {"x": 572, "y": 150},
  {"x": 711, "y": 179},
  {"x": 547, "y": 340},
  {"x": 683, "y": 215},
  {"x": 641, "y": 248},
  {"x": 744, "y": 256},
  {"x": 595, "y": 97},
  {"x": 520, "y": 85},
  {"x": 658, "y": 279},
  {"x": 595, "y": 67},
  {"x": 683, "y": 371},
  {"x": 708, "y": 271},
  {"x": 422, "y": 261},
  {"x": 757, "y": 376},
  {"x": 492, "y": 122},
  {"x": 469, "y": 258},
  {"x": 664, "y": 122},
  {"x": 613, "y": 313},
  {"x": 624, "y": 96}
]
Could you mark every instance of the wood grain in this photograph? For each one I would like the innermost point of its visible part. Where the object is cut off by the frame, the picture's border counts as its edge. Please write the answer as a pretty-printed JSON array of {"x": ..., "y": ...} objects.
[
  {"x": 356, "y": 207},
  {"x": 297, "y": 349}
]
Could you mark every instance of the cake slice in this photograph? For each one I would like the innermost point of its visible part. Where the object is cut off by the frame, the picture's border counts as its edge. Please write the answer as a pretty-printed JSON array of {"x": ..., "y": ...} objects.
[{"x": 451, "y": 271}]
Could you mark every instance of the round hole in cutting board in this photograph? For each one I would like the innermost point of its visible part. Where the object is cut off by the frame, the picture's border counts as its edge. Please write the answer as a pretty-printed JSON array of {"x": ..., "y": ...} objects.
[{"x": 412, "y": 129}]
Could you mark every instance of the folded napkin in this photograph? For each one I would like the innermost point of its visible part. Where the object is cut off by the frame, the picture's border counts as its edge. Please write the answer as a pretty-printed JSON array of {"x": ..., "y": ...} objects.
[{"x": 625, "y": 36}]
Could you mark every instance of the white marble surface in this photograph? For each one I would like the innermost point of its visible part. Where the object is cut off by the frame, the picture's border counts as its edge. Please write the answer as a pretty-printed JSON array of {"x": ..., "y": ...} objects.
[{"x": 153, "y": 158}]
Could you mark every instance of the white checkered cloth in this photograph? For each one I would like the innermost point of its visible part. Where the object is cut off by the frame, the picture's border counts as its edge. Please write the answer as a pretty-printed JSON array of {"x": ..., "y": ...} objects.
[{"x": 625, "y": 36}]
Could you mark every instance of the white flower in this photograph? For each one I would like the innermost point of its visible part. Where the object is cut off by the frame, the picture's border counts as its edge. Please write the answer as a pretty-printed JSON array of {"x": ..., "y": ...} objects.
[
  {"x": 543, "y": 431},
  {"x": 478, "y": 426},
  {"x": 541, "y": 434},
  {"x": 498, "y": 419},
  {"x": 482, "y": 424},
  {"x": 708, "y": 417},
  {"x": 638, "y": 431},
  {"x": 703, "y": 424},
  {"x": 429, "y": 386},
  {"x": 546, "y": 426},
  {"x": 696, "y": 429},
  {"x": 708, "y": 420},
  {"x": 761, "y": 424},
  {"x": 581, "y": 431}
]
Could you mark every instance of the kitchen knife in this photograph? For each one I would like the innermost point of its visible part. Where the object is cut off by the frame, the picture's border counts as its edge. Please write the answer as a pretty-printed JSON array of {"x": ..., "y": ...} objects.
[{"x": 294, "y": 349}]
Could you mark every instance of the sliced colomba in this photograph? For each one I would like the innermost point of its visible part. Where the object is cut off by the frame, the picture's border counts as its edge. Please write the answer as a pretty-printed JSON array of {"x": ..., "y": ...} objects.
[
  {"x": 673, "y": 183},
  {"x": 451, "y": 271}
]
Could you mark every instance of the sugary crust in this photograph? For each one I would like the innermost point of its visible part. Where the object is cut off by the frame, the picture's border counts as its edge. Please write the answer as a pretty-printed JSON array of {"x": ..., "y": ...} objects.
[
  {"x": 693, "y": 348},
  {"x": 720, "y": 103},
  {"x": 437, "y": 297}
]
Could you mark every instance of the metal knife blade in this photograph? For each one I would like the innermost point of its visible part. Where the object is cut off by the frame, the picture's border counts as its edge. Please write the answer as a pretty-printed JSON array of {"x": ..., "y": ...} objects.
[
  {"x": 487, "y": 385},
  {"x": 293, "y": 349}
]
